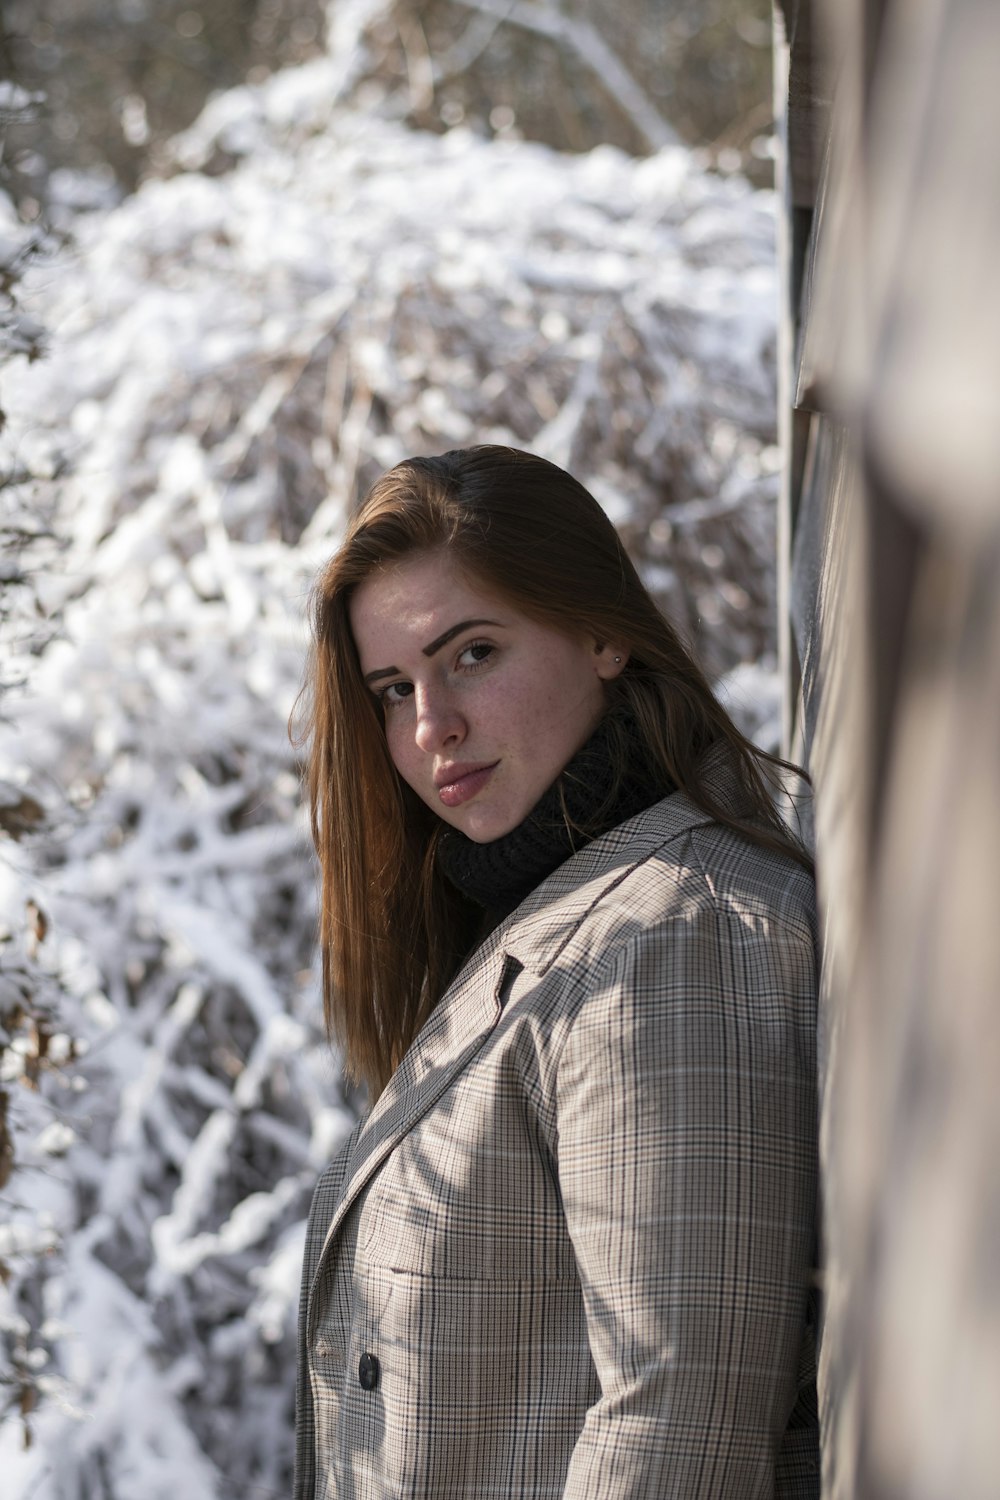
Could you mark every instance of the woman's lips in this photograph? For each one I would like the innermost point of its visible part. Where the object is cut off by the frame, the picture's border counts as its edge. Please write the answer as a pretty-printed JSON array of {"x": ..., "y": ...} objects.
[{"x": 454, "y": 793}]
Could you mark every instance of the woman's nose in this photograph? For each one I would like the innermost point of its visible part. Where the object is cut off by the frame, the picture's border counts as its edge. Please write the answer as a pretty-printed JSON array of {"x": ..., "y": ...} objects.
[{"x": 439, "y": 723}]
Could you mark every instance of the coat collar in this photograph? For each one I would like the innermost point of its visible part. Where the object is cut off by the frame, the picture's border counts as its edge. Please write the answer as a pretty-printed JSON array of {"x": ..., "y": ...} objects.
[{"x": 537, "y": 931}]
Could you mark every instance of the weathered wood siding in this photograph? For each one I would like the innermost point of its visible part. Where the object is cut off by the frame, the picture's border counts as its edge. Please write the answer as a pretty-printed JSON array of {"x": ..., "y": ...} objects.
[{"x": 890, "y": 574}]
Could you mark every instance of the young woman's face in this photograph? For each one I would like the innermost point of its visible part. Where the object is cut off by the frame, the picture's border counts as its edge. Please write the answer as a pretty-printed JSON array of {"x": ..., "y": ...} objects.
[{"x": 483, "y": 707}]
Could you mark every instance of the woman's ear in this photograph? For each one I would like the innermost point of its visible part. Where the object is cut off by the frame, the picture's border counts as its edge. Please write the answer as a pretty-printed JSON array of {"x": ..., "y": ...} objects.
[{"x": 610, "y": 660}]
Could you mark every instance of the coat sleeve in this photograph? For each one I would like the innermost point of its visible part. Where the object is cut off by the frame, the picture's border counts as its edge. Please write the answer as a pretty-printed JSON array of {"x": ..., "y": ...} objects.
[
  {"x": 324, "y": 1202},
  {"x": 686, "y": 1113}
]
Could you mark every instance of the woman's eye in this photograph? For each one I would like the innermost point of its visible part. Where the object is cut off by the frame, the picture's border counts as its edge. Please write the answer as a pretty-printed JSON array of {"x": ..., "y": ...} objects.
[
  {"x": 475, "y": 655},
  {"x": 395, "y": 693}
]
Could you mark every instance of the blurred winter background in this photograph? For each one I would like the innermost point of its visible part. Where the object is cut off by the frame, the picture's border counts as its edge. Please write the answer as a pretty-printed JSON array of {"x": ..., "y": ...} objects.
[{"x": 251, "y": 253}]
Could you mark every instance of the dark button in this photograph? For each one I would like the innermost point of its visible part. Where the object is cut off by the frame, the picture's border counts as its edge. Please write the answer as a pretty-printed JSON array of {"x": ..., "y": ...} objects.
[{"x": 368, "y": 1372}]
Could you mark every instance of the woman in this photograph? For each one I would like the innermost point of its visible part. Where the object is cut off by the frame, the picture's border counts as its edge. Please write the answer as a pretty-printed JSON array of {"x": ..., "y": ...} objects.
[{"x": 569, "y": 946}]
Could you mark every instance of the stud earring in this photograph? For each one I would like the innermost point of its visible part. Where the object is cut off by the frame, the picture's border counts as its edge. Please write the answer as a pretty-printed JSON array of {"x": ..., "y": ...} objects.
[{"x": 618, "y": 661}]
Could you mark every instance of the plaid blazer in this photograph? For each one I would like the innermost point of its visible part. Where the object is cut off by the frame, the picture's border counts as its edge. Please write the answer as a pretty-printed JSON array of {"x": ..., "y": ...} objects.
[{"x": 568, "y": 1252}]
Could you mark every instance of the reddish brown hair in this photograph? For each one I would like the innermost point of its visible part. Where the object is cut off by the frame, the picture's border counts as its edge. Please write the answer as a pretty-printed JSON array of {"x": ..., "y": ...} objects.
[{"x": 392, "y": 930}]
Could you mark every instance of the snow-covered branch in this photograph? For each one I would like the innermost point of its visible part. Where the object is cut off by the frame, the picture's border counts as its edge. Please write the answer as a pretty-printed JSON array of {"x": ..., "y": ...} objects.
[{"x": 234, "y": 357}]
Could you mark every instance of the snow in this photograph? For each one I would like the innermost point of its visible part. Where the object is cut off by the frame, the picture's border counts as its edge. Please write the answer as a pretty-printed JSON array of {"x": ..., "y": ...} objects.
[
  {"x": 235, "y": 351},
  {"x": 15, "y": 100}
]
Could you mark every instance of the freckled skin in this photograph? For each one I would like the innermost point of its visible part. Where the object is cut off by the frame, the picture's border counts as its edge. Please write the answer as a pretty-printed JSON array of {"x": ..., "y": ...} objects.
[{"x": 496, "y": 712}]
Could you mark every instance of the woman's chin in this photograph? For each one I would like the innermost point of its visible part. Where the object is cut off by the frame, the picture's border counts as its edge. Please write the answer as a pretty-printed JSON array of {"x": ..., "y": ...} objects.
[
  {"x": 482, "y": 824},
  {"x": 476, "y": 832}
]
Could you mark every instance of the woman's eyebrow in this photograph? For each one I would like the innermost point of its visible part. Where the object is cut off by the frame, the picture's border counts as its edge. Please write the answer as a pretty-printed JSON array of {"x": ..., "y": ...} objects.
[
  {"x": 442, "y": 640},
  {"x": 435, "y": 645}
]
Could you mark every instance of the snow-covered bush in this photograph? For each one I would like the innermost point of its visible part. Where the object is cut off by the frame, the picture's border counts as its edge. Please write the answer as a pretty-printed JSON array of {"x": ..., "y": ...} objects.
[
  {"x": 34, "y": 1053},
  {"x": 237, "y": 350}
]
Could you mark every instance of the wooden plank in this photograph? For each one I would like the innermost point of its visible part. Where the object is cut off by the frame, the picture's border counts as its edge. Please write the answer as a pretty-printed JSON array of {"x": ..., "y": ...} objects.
[
  {"x": 831, "y": 357},
  {"x": 833, "y": 574},
  {"x": 933, "y": 253},
  {"x": 817, "y": 338},
  {"x": 919, "y": 1130},
  {"x": 894, "y": 599},
  {"x": 789, "y": 258},
  {"x": 807, "y": 106}
]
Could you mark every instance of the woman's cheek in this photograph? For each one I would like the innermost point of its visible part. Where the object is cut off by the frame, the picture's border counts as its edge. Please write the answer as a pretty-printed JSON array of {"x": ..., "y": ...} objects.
[{"x": 400, "y": 747}]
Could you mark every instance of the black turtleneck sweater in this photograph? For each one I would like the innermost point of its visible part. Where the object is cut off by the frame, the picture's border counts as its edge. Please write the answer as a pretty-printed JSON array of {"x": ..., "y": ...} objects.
[{"x": 598, "y": 789}]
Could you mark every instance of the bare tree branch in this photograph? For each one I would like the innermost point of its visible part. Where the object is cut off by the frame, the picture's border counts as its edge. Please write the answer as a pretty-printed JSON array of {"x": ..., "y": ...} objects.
[{"x": 593, "y": 50}]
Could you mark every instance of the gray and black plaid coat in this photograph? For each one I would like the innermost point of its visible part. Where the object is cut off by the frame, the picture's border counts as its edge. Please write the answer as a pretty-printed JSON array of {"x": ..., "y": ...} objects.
[{"x": 568, "y": 1252}]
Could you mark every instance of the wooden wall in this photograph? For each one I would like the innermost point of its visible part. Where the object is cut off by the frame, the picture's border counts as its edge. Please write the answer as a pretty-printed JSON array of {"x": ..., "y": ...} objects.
[{"x": 890, "y": 606}]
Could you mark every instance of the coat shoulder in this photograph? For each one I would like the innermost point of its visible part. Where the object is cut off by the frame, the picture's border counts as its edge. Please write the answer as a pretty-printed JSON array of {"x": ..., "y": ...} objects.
[
  {"x": 743, "y": 878},
  {"x": 651, "y": 881}
]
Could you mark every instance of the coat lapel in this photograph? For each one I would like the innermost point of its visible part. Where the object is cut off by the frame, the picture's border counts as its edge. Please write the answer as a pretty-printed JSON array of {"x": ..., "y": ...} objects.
[{"x": 454, "y": 1032}]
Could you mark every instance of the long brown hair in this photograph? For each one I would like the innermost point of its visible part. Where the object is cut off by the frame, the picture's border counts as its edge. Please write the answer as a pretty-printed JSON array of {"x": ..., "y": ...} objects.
[{"x": 392, "y": 929}]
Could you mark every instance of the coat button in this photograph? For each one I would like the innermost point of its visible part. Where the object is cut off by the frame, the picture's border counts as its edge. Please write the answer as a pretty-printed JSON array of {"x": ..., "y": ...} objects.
[{"x": 368, "y": 1372}]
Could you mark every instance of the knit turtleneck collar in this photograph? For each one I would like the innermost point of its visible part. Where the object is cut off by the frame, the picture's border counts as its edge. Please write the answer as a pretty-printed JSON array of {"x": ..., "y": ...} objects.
[{"x": 597, "y": 790}]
